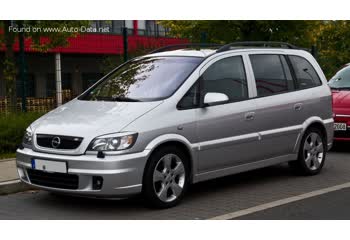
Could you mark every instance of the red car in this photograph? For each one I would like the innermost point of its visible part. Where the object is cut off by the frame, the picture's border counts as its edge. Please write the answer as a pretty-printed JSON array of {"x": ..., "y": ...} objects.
[{"x": 340, "y": 85}]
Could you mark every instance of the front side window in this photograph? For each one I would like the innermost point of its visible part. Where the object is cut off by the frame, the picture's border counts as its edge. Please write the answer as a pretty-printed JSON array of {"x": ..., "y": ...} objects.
[
  {"x": 305, "y": 74},
  {"x": 144, "y": 79},
  {"x": 226, "y": 76},
  {"x": 341, "y": 80},
  {"x": 191, "y": 98},
  {"x": 272, "y": 75}
]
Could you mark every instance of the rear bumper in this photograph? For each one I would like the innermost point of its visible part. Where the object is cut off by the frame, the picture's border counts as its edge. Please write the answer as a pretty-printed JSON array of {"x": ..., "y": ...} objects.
[{"x": 122, "y": 174}]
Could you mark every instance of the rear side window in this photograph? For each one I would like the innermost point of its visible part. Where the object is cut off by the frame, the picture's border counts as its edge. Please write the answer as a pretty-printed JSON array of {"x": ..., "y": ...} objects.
[
  {"x": 272, "y": 75},
  {"x": 226, "y": 76},
  {"x": 305, "y": 74}
]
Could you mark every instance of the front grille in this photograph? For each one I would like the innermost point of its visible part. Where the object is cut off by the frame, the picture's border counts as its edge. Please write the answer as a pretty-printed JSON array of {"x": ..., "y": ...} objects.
[
  {"x": 58, "y": 142},
  {"x": 54, "y": 180},
  {"x": 342, "y": 134}
]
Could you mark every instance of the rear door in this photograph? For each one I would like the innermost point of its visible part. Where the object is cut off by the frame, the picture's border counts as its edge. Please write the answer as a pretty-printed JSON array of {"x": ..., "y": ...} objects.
[
  {"x": 278, "y": 106},
  {"x": 312, "y": 97}
]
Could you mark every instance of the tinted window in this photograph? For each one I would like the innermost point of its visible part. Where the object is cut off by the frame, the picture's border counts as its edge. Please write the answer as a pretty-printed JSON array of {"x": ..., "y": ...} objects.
[
  {"x": 51, "y": 83},
  {"x": 191, "y": 98},
  {"x": 144, "y": 79},
  {"x": 304, "y": 72},
  {"x": 272, "y": 75},
  {"x": 341, "y": 80},
  {"x": 31, "y": 86},
  {"x": 227, "y": 76}
]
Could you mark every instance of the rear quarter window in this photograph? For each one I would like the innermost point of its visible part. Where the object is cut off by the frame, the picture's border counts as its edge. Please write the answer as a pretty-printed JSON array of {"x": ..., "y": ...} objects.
[{"x": 305, "y": 73}]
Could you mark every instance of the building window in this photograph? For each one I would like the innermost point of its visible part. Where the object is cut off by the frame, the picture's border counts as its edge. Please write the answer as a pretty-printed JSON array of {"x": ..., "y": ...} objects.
[
  {"x": 30, "y": 89},
  {"x": 151, "y": 28},
  {"x": 51, "y": 83},
  {"x": 117, "y": 26},
  {"x": 89, "y": 79}
]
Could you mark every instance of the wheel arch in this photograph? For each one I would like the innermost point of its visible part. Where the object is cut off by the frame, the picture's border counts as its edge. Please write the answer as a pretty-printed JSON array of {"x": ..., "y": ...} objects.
[
  {"x": 173, "y": 140},
  {"x": 316, "y": 122}
]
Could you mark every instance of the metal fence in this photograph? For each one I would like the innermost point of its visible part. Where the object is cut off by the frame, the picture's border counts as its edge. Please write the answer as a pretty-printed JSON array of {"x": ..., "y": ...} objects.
[{"x": 33, "y": 104}]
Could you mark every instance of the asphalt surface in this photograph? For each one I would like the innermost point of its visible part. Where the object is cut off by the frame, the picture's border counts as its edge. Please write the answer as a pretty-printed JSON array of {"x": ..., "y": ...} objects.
[
  {"x": 329, "y": 206},
  {"x": 208, "y": 199}
]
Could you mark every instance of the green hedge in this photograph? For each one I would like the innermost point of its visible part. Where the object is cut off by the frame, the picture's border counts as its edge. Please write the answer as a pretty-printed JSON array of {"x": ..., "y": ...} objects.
[{"x": 12, "y": 127}]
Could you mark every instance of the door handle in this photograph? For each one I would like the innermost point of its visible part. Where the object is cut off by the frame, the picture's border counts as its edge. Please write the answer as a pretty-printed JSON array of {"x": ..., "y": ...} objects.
[
  {"x": 298, "y": 106},
  {"x": 249, "y": 116}
]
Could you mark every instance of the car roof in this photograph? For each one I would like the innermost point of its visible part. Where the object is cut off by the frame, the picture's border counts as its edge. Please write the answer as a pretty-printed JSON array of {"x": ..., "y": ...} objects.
[
  {"x": 184, "y": 53},
  {"x": 207, "y": 52}
]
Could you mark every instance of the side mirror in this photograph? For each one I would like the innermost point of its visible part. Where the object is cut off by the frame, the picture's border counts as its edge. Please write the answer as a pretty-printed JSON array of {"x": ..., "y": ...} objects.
[{"x": 212, "y": 98}]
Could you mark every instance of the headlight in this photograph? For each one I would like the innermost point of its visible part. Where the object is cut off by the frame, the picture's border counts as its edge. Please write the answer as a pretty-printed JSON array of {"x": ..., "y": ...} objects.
[
  {"x": 28, "y": 138},
  {"x": 113, "y": 143}
]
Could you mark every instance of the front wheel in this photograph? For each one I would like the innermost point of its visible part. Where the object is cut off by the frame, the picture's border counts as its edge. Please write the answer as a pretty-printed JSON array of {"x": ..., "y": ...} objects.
[
  {"x": 312, "y": 153},
  {"x": 166, "y": 177}
]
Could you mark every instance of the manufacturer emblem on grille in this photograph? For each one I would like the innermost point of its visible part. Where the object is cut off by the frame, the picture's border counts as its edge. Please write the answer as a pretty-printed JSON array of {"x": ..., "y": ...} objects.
[{"x": 56, "y": 141}]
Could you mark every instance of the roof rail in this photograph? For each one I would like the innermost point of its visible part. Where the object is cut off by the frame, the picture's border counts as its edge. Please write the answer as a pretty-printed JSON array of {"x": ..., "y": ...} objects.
[
  {"x": 186, "y": 45},
  {"x": 256, "y": 44}
]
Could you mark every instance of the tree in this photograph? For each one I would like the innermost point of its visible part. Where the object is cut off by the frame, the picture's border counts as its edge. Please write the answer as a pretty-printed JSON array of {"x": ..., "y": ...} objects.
[
  {"x": 41, "y": 40},
  {"x": 332, "y": 38},
  {"x": 333, "y": 42},
  {"x": 295, "y": 32}
]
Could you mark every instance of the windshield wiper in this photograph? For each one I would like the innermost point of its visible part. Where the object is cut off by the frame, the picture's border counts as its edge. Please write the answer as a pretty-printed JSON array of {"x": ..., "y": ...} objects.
[
  {"x": 115, "y": 99},
  {"x": 125, "y": 99}
]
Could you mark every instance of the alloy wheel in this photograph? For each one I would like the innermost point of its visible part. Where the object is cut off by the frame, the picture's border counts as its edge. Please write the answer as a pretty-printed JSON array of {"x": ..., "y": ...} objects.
[
  {"x": 313, "y": 151},
  {"x": 169, "y": 178}
]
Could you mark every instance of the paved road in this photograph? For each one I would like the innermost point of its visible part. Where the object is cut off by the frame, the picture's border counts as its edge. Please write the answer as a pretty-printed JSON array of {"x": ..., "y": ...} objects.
[
  {"x": 329, "y": 206},
  {"x": 205, "y": 200}
]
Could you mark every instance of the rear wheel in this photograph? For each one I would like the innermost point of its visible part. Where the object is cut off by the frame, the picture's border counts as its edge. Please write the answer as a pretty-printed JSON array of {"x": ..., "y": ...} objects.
[
  {"x": 166, "y": 177},
  {"x": 312, "y": 153}
]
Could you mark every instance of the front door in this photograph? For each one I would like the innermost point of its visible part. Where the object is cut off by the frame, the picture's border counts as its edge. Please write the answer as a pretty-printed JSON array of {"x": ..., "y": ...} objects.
[{"x": 226, "y": 132}]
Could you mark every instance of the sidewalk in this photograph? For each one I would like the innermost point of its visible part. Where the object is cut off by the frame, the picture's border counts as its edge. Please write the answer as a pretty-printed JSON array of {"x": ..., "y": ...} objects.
[{"x": 9, "y": 182}]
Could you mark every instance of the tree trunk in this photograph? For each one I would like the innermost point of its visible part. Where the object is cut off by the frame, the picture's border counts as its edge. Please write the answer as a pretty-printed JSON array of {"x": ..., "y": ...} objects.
[{"x": 9, "y": 71}]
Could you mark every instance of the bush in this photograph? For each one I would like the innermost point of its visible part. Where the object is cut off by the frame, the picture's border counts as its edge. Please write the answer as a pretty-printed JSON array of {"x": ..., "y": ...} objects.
[{"x": 12, "y": 127}]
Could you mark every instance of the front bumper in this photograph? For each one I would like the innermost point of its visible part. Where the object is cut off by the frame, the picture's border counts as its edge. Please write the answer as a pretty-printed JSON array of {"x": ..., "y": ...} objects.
[{"x": 122, "y": 174}]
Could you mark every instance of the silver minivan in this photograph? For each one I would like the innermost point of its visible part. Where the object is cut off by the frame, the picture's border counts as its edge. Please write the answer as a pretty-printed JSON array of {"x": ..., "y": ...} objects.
[{"x": 163, "y": 121}]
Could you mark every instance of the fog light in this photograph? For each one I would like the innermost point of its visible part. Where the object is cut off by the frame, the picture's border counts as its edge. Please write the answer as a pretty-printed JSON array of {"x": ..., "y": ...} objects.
[{"x": 97, "y": 182}]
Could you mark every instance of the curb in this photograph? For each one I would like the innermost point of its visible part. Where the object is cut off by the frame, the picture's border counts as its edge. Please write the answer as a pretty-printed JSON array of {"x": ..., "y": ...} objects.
[
  {"x": 7, "y": 159},
  {"x": 13, "y": 186}
]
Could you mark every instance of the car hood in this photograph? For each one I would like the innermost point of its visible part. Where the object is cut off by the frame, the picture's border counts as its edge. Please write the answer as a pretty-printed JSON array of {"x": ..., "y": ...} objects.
[
  {"x": 341, "y": 100},
  {"x": 89, "y": 119}
]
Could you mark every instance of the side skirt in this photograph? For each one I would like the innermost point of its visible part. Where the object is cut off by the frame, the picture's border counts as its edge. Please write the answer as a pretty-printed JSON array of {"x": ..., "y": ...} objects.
[{"x": 243, "y": 168}]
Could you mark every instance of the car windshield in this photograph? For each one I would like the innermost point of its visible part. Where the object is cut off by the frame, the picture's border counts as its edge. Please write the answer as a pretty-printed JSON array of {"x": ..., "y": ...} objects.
[
  {"x": 341, "y": 80},
  {"x": 143, "y": 79}
]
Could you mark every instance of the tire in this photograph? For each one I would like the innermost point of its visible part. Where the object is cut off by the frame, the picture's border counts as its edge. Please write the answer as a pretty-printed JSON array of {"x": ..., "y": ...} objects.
[
  {"x": 312, "y": 153},
  {"x": 166, "y": 177}
]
